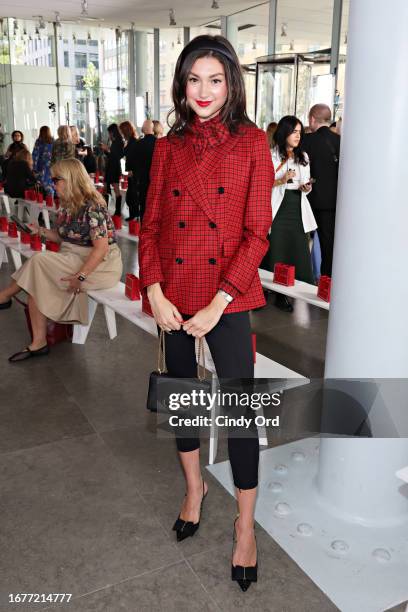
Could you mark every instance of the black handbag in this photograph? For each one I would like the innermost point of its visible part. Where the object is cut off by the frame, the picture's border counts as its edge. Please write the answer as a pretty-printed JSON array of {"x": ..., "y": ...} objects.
[{"x": 163, "y": 388}]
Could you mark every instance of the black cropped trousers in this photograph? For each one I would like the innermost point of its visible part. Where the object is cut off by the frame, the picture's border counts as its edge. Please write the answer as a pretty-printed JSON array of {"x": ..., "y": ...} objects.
[{"x": 230, "y": 344}]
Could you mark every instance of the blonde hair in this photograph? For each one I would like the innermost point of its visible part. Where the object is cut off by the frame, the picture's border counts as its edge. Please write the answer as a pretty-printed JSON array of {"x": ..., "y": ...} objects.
[
  {"x": 79, "y": 188},
  {"x": 64, "y": 133}
]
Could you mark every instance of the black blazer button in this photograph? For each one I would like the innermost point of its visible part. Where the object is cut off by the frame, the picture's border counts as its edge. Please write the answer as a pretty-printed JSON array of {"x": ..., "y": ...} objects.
[
  {"x": 212, "y": 224},
  {"x": 212, "y": 260},
  {"x": 176, "y": 192},
  {"x": 179, "y": 260},
  {"x": 221, "y": 190},
  {"x": 182, "y": 224}
]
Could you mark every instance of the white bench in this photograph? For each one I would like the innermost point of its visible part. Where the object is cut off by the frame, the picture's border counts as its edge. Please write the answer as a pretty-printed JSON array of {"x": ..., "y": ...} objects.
[{"x": 300, "y": 290}]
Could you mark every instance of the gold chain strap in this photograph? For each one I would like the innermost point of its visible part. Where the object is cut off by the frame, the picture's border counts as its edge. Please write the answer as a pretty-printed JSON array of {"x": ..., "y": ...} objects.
[{"x": 161, "y": 359}]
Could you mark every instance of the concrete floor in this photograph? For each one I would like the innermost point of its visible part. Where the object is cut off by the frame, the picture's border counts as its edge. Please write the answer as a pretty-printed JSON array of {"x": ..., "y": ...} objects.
[{"x": 89, "y": 492}]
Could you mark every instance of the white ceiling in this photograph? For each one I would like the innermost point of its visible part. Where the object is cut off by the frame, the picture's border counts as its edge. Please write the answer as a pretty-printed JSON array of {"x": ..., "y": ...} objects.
[
  {"x": 311, "y": 16},
  {"x": 146, "y": 13}
]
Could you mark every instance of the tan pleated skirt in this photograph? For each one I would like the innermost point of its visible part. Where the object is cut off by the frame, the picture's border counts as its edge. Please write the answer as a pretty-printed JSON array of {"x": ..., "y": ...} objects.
[{"x": 41, "y": 275}]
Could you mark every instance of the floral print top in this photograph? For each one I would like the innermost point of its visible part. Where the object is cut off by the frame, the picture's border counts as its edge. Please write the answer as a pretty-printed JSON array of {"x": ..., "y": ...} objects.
[{"x": 91, "y": 222}]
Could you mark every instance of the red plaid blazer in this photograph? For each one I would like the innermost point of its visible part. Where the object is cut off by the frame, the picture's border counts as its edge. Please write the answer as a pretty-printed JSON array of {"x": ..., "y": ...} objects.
[{"x": 205, "y": 226}]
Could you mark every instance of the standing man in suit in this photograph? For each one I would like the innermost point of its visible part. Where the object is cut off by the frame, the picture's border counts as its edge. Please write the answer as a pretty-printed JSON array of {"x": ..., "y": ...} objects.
[
  {"x": 323, "y": 149},
  {"x": 145, "y": 153}
]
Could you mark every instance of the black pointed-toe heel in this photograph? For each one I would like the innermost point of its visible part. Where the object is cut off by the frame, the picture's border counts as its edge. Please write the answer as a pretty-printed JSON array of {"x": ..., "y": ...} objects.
[
  {"x": 186, "y": 529},
  {"x": 243, "y": 575}
]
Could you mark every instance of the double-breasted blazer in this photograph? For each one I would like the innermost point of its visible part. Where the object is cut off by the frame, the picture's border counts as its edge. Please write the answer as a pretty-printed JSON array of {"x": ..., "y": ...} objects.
[{"x": 206, "y": 221}]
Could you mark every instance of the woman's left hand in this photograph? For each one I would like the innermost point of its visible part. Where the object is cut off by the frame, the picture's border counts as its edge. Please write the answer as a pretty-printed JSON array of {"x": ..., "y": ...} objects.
[
  {"x": 206, "y": 319},
  {"x": 306, "y": 187},
  {"x": 74, "y": 284}
]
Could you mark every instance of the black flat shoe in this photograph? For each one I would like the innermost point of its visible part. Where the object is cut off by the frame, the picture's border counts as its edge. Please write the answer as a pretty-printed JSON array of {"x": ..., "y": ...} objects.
[
  {"x": 282, "y": 302},
  {"x": 186, "y": 529},
  {"x": 243, "y": 575},
  {"x": 28, "y": 354},
  {"x": 6, "y": 305}
]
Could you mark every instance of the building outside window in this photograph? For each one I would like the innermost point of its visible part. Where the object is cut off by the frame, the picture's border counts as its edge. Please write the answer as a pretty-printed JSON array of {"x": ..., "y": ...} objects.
[{"x": 80, "y": 60}]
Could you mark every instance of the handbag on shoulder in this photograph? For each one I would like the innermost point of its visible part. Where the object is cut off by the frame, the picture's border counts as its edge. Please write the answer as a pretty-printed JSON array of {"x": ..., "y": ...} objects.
[{"x": 162, "y": 386}]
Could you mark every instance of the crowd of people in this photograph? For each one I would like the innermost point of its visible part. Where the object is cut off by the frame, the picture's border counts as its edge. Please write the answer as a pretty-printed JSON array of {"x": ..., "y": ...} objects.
[
  {"x": 304, "y": 194},
  {"x": 22, "y": 170}
]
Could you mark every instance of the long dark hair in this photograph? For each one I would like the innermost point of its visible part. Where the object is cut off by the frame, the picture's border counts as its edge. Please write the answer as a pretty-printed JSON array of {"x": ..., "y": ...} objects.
[
  {"x": 114, "y": 133},
  {"x": 233, "y": 113},
  {"x": 285, "y": 128},
  {"x": 17, "y": 132},
  {"x": 45, "y": 135}
]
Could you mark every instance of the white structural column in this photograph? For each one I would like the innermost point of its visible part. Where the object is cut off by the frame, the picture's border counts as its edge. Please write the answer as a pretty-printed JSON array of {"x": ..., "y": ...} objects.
[{"x": 368, "y": 330}]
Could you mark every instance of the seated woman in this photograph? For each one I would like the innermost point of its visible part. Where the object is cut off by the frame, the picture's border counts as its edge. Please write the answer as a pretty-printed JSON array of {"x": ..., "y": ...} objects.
[
  {"x": 89, "y": 258},
  {"x": 20, "y": 174}
]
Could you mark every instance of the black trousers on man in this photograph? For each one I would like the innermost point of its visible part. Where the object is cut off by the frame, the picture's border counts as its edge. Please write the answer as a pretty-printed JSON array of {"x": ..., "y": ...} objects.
[
  {"x": 230, "y": 344},
  {"x": 325, "y": 220}
]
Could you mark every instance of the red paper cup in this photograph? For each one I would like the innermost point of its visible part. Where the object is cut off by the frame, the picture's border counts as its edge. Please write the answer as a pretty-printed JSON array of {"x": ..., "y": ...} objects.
[
  {"x": 3, "y": 224},
  {"x": 40, "y": 198},
  {"x": 48, "y": 200},
  {"x": 25, "y": 238},
  {"x": 134, "y": 227},
  {"x": 117, "y": 221},
  {"x": 35, "y": 242},
  {"x": 12, "y": 230},
  {"x": 56, "y": 202},
  {"x": 27, "y": 194}
]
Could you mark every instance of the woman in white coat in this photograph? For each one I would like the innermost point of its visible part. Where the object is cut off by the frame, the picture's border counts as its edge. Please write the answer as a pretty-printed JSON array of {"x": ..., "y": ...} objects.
[{"x": 292, "y": 214}]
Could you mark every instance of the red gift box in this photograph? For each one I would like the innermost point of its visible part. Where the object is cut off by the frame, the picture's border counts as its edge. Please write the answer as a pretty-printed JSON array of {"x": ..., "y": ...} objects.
[
  {"x": 323, "y": 290},
  {"x": 40, "y": 198},
  {"x": 25, "y": 238},
  {"x": 132, "y": 287},
  {"x": 3, "y": 224},
  {"x": 134, "y": 227},
  {"x": 117, "y": 221},
  {"x": 27, "y": 194},
  {"x": 57, "y": 202},
  {"x": 284, "y": 274},
  {"x": 146, "y": 306},
  {"x": 48, "y": 200},
  {"x": 52, "y": 246},
  {"x": 12, "y": 230},
  {"x": 254, "y": 346},
  {"x": 33, "y": 195},
  {"x": 35, "y": 242},
  {"x": 101, "y": 189},
  {"x": 97, "y": 176}
]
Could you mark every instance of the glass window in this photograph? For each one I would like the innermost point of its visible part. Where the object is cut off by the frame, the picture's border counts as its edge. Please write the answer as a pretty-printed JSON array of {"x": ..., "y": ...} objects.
[
  {"x": 80, "y": 60},
  {"x": 66, "y": 59},
  {"x": 93, "y": 43},
  {"x": 79, "y": 81},
  {"x": 94, "y": 59},
  {"x": 171, "y": 45},
  {"x": 303, "y": 26},
  {"x": 162, "y": 71},
  {"x": 81, "y": 41}
]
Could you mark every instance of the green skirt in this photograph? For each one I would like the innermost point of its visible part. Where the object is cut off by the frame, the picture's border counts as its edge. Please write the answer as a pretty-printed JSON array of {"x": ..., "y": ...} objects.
[{"x": 288, "y": 242}]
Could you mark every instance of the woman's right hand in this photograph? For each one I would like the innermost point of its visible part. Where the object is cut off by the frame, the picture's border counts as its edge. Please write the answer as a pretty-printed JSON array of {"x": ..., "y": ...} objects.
[
  {"x": 165, "y": 313},
  {"x": 290, "y": 174}
]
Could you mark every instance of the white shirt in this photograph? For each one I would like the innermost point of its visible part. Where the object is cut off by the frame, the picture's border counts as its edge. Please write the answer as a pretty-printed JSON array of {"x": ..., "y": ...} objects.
[{"x": 302, "y": 177}]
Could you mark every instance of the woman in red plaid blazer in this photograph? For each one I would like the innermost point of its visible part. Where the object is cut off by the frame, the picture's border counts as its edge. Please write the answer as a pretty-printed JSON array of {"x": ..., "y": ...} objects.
[{"x": 203, "y": 237}]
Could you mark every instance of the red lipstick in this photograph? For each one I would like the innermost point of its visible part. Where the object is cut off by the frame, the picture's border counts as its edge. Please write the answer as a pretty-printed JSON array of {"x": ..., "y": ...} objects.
[{"x": 203, "y": 104}]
